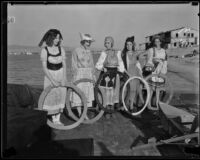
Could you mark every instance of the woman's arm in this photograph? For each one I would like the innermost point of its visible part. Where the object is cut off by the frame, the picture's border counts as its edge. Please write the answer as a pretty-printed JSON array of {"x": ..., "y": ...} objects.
[
  {"x": 44, "y": 66},
  {"x": 64, "y": 80},
  {"x": 121, "y": 67},
  {"x": 92, "y": 66},
  {"x": 74, "y": 63},
  {"x": 100, "y": 62},
  {"x": 150, "y": 56},
  {"x": 164, "y": 68}
]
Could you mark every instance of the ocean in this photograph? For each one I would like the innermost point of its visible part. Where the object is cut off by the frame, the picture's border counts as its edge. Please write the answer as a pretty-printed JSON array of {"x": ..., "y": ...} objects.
[{"x": 27, "y": 69}]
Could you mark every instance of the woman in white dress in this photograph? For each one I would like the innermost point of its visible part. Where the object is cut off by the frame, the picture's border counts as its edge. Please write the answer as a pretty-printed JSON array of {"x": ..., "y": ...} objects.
[
  {"x": 54, "y": 66},
  {"x": 156, "y": 59},
  {"x": 83, "y": 67}
]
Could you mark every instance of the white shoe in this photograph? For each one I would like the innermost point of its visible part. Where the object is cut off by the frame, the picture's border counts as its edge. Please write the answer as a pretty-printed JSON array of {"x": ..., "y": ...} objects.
[
  {"x": 58, "y": 123},
  {"x": 86, "y": 118},
  {"x": 56, "y": 119}
]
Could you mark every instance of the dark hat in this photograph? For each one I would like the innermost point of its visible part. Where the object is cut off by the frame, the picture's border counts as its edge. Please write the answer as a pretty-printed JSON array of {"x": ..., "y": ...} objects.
[{"x": 130, "y": 39}]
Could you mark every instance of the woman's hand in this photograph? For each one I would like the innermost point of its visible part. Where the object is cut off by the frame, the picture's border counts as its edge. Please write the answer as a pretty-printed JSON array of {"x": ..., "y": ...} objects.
[
  {"x": 55, "y": 84},
  {"x": 94, "y": 78},
  {"x": 157, "y": 60},
  {"x": 105, "y": 69}
]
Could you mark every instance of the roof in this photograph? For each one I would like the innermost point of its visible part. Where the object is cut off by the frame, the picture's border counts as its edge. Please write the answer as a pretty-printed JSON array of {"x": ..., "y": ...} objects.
[{"x": 172, "y": 30}]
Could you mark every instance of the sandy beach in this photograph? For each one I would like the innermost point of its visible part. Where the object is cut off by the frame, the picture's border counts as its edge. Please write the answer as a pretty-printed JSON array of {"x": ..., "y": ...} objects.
[{"x": 115, "y": 136}]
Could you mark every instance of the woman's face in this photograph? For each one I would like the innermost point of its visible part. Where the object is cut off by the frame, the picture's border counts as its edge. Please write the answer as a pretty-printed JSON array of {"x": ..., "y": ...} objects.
[
  {"x": 129, "y": 46},
  {"x": 56, "y": 40},
  {"x": 108, "y": 44},
  {"x": 87, "y": 44},
  {"x": 157, "y": 42}
]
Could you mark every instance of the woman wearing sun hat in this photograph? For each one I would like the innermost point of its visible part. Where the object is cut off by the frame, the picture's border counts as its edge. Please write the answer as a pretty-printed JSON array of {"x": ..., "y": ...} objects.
[{"x": 83, "y": 67}]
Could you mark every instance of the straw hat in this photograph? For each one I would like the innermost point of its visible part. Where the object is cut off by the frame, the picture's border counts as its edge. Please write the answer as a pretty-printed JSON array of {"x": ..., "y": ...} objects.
[{"x": 86, "y": 37}]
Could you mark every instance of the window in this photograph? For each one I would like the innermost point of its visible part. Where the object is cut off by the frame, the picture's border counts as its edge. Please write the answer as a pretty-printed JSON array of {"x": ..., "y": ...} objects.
[
  {"x": 175, "y": 44},
  {"x": 184, "y": 34},
  {"x": 176, "y": 35},
  {"x": 192, "y": 43},
  {"x": 188, "y": 34},
  {"x": 192, "y": 34}
]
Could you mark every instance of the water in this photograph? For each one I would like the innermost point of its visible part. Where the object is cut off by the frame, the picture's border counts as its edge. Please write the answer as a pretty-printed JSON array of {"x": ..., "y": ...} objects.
[{"x": 27, "y": 69}]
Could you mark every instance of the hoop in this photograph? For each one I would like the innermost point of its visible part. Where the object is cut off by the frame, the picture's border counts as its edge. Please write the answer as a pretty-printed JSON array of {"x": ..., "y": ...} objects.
[
  {"x": 161, "y": 88},
  {"x": 61, "y": 127},
  {"x": 88, "y": 121},
  {"x": 96, "y": 90},
  {"x": 147, "y": 99}
]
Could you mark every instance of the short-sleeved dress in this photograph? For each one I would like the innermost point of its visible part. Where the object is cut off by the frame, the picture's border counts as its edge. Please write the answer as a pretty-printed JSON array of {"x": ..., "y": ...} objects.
[
  {"x": 154, "y": 54},
  {"x": 83, "y": 67},
  {"x": 160, "y": 67},
  {"x": 56, "y": 98}
]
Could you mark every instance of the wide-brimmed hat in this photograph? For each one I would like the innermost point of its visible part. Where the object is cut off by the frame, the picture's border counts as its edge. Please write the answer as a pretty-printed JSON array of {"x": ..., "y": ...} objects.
[{"x": 86, "y": 37}]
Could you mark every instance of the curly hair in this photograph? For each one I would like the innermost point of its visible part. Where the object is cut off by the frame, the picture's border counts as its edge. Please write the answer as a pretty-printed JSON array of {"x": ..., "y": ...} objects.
[
  {"x": 129, "y": 39},
  {"x": 49, "y": 36}
]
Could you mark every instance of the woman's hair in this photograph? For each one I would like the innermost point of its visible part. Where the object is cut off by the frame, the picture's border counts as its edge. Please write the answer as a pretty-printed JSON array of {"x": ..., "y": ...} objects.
[
  {"x": 111, "y": 40},
  {"x": 153, "y": 41},
  {"x": 49, "y": 36},
  {"x": 129, "y": 39}
]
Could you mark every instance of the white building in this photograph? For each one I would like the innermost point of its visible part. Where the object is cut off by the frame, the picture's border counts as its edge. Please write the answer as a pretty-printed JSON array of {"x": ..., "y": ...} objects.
[{"x": 180, "y": 37}]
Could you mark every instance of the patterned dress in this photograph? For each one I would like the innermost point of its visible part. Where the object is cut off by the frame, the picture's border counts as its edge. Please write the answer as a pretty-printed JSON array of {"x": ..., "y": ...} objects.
[
  {"x": 110, "y": 85},
  {"x": 83, "y": 67},
  {"x": 56, "y": 97}
]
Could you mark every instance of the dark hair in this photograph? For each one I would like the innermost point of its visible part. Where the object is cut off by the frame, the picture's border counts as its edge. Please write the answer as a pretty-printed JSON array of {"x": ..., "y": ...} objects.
[
  {"x": 49, "y": 36},
  {"x": 152, "y": 44},
  {"x": 129, "y": 39}
]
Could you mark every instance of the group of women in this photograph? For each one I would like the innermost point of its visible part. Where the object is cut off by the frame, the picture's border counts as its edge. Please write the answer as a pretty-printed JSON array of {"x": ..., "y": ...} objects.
[{"x": 54, "y": 65}]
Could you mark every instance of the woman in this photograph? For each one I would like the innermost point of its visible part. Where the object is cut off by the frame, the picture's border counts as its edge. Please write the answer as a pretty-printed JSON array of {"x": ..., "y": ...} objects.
[
  {"x": 157, "y": 56},
  {"x": 157, "y": 59},
  {"x": 129, "y": 49},
  {"x": 54, "y": 66},
  {"x": 133, "y": 68},
  {"x": 83, "y": 67},
  {"x": 110, "y": 60}
]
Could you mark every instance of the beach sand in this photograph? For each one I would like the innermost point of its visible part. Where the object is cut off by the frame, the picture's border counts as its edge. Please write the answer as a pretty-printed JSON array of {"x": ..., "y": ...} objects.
[{"x": 114, "y": 136}]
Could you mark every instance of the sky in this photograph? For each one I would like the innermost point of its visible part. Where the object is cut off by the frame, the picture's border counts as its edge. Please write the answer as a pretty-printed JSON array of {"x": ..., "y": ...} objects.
[{"x": 99, "y": 20}]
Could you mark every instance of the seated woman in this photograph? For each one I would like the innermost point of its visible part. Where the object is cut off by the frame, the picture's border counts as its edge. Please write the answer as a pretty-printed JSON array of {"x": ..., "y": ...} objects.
[
  {"x": 110, "y": 60},
  {"x": 156, "y": 59},
  {"x": 132, "y": 65}
]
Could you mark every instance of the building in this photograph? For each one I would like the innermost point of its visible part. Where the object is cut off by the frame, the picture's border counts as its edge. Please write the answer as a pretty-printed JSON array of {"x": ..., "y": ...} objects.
[{"x": 180, "y": 37}]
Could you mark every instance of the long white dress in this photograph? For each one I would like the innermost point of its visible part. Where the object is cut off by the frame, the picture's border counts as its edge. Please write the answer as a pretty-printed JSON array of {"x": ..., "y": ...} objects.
[
  {"x": 56, "y": 98},
  {"x": 83, "y": 67}
]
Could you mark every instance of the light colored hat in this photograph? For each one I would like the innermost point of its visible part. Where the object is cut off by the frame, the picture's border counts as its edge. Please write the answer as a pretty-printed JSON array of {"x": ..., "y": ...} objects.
[{"x": 86, "y": 37}]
